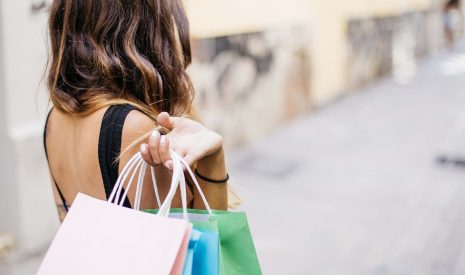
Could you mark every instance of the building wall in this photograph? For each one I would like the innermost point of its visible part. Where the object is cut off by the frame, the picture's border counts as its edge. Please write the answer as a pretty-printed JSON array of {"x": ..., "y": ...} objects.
[
  {"x": 390, "y": 44},
  {"x": 27, "y": 186},
  {"x": 236, "y": 94},
  {"x": 334, "y": 58},
  {"x": 327, "y": 21},
  {"x": 8, "y": 221},
  {"x": 212, "y": 18},
  {"x": 247, "y": 84},
  {"x": 330, "y": 47}
]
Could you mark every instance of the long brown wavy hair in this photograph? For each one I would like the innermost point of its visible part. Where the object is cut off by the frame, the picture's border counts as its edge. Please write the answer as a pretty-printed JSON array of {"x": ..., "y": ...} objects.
[{"x": 107, "y": 52}]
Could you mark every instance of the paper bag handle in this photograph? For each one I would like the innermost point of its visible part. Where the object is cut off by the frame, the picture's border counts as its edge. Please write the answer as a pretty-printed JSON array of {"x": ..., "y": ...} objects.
[
  {"x": 135, "y": 164},
  {"x": 178, "y": 164}
]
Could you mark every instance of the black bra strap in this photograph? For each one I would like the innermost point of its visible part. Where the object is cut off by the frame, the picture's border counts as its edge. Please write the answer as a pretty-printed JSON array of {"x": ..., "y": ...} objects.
[
  {"x": 109, "y": 146},
  {"x": 63, "y": 200}
]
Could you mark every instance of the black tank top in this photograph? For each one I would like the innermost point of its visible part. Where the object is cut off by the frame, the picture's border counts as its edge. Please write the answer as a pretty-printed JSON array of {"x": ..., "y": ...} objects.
[{"x": 109, "y": 148}]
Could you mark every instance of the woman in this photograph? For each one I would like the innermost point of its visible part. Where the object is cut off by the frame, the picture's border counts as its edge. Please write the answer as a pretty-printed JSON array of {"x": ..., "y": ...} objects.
[
  {"x": 117, "y": 70},
  {"x": 451, "y": 8}
]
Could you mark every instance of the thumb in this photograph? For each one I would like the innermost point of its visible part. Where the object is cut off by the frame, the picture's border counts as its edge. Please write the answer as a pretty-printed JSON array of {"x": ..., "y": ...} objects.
[{"x": 166, "y": 121}]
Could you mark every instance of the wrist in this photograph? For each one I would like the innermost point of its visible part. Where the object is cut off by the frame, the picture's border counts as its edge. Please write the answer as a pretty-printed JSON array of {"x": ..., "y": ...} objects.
[
  {"x": 215, "y": 154},
  {"x": 213, "y": 166},
  {"x": 212, "y": 159}
]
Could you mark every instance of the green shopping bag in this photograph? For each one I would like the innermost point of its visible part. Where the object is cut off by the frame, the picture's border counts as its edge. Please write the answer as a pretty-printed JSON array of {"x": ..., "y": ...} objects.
[
  {"x": 237, "y": 255},
  {"x": 237, "y": 250}
]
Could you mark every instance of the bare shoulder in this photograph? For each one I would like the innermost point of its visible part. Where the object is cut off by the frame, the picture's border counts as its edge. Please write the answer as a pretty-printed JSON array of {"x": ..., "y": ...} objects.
[
  {"x": 136, "y": 130},
  {"x": 137, "y": 124}
]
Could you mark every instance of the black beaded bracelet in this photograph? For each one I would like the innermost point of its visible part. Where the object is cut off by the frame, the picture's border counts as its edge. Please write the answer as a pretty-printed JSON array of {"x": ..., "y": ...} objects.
[{"x": 210, "y": 180}]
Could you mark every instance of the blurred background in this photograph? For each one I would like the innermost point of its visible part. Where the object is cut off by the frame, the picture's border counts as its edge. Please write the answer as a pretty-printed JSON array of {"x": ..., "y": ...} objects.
[{"x": 344, "y": 123}]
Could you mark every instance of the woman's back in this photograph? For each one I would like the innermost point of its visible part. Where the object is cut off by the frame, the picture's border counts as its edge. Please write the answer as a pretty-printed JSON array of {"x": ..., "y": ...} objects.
[
  {"x": 84, "y": 153},
  {"x": 73, "y": 153}
]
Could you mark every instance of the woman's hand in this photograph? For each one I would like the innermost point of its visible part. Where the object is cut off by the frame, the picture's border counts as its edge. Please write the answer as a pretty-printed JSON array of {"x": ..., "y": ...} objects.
[{"x": 188, "y": 138}]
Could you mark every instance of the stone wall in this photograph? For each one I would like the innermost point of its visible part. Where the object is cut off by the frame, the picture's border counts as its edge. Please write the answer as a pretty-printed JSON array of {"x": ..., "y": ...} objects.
[
  {"x": 381, "y": 45},
  {"x": 247, "y": 84}
]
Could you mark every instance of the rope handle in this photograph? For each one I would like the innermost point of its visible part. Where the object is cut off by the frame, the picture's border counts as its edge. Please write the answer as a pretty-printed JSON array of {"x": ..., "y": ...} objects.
[{"x": 137, "y": 165}]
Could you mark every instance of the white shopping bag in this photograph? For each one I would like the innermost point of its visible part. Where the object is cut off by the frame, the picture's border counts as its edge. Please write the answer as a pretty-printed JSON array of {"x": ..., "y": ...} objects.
[{"x": 100, "y": 237}]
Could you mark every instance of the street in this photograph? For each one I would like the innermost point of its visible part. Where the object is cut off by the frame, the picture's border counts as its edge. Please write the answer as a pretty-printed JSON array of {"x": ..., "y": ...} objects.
[{"x": 354, "y": 188}]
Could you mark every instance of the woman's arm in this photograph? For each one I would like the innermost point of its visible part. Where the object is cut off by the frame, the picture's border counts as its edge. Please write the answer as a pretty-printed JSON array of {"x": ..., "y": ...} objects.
[
  {"x": 200, "y": 147},
  {"x": 212, "y": 167}
]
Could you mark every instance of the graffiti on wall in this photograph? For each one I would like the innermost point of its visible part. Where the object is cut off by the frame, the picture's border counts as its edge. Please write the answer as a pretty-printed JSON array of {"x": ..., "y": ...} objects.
[
  {"x": 381, "y": 45},
  {"x": 247, "y": 84},
  {"x": 39, "y": 6}
]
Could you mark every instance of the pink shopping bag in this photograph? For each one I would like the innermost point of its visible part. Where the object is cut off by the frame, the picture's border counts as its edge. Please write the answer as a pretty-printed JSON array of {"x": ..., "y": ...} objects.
[{"x": 98, "y": 237}]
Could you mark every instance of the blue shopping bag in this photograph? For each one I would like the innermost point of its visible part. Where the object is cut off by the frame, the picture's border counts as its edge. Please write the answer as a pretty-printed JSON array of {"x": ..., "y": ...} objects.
[
  {"x": 206, "y": 255},
  {"x": 193, "y": 244},
  {"x": 203, "y": 255}
]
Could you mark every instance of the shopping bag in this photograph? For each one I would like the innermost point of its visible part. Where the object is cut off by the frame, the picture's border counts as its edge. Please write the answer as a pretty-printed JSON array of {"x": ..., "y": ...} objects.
[
  {"x": 98, "y": 237},
  {"x": 101, "y": 237},
  {"x": 205, "y": 260},
  {"x": 237, "y": 250},
  {"x": 206, "y": 256},
  {"x": 236, "y": 254},
  {"x": 193, "y": 246}
]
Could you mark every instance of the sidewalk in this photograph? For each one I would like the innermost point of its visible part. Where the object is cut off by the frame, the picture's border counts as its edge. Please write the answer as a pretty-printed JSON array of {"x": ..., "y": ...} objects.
[{"x": 354, "y": 188}]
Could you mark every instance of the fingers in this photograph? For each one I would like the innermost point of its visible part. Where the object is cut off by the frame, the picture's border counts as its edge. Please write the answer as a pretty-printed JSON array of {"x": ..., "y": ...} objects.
[
  {"x": 144, "y": 150},
  {"x": 150, "y": 151},
  {"x": 165, "y": 120},
  {"x": 165, "y": 156},
  {"x": 164, "y": 150},
  {"x": 154, "y": 144},
  {"x": 157, "y": 151}
]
